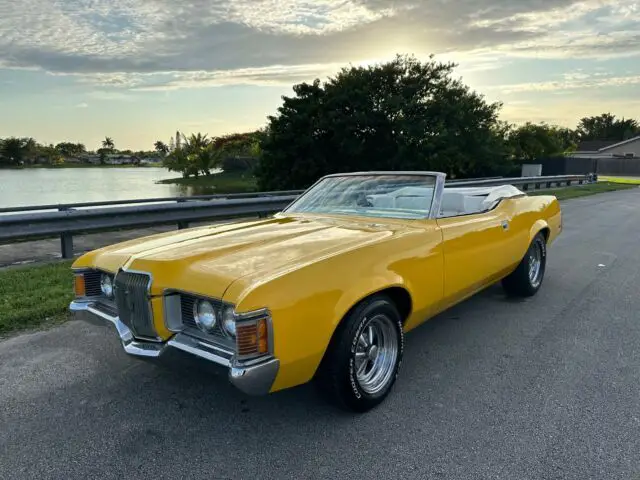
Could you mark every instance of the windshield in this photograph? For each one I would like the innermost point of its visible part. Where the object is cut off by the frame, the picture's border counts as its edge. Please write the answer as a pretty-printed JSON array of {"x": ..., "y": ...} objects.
[{"x": 386, "y": 195}]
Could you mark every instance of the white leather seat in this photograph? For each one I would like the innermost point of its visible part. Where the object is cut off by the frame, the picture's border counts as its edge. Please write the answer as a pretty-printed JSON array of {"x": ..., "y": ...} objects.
[
  {"x": 474, "y": 203},
  {"x": 452, "y": 204}
]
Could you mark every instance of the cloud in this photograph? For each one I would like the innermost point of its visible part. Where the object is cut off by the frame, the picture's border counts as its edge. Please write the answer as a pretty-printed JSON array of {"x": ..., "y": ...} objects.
[
  {"x": 82, "y": 105},
  {"x": 572, "y": 81},
  {"x": 162, "y": 44}
]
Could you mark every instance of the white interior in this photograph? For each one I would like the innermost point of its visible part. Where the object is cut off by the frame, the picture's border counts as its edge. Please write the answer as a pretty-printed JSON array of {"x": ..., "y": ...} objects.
[{"x": 455, "y": 201}]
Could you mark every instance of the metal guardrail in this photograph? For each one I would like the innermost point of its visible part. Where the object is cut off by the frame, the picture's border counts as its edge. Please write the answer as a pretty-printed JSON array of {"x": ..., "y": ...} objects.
[
  {"x": 71, "y": 219},
  {"x": 69, "y": 206}
]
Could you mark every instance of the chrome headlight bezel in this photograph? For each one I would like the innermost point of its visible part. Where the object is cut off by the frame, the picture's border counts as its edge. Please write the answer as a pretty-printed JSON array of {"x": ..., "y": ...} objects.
[
  {"x": 228, "y": 323},
  {"x": 107, "y": 285},
  {"x": 205, "y": 315}
]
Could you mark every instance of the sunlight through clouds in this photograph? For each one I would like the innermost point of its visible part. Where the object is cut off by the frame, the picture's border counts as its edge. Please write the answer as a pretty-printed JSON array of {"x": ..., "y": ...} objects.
[{"x": 132, "y": 50}]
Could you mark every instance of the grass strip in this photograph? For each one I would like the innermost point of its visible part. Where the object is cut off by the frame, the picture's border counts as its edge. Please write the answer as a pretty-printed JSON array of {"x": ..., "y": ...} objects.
[
  {"x": 565, "y": 193},
  {"x": 34, "y": 296},
  {"x": 627, "y": 180}
]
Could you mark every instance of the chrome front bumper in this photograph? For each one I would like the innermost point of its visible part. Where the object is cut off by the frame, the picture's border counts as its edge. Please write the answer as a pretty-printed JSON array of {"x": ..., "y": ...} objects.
[{"x": 254, "y": 379}]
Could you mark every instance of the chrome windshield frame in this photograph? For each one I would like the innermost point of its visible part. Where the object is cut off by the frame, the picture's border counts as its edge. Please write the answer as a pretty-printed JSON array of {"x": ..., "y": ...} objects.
[{"x": 436, "y": 200}]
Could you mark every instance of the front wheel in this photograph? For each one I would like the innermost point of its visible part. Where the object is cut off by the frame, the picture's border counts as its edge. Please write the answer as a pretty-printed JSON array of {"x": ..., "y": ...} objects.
[
  {"x": 364, "y": 356},
  {"x": 527, "y": 278}
]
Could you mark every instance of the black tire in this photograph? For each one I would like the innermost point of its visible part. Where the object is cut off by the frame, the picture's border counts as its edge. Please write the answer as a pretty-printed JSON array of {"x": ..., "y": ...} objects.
[
  {"x": 520, "y": 283},
  {"x": 337, "y": 378}
]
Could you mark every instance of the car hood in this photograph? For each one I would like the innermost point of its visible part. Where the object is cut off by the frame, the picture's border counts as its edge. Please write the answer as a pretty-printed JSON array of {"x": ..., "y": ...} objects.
[{"x": 207, "y": 260}]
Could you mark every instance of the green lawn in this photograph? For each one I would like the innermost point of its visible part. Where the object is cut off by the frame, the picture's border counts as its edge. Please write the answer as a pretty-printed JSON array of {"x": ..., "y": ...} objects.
[
  {"x": 33, "y": 296},
  {"x": 631, "y": 181},
  {"x": 218, "y": 183},
  {"x": 565, "y": 193}
]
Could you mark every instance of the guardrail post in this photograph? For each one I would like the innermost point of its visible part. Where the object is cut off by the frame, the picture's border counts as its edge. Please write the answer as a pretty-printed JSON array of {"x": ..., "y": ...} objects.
[
  {"x": 66, "y": 245},
  {"x": 183, "y": 225}
]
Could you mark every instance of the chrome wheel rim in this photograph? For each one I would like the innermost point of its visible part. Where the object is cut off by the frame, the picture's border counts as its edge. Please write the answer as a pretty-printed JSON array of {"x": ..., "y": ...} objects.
[
  {"x": 535, "y": 265},
  {"x": 376, "y": 354}
]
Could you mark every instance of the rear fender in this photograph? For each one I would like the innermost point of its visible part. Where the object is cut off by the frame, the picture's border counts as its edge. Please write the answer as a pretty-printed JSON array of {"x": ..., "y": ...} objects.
[{"x": 535, "y": 228}]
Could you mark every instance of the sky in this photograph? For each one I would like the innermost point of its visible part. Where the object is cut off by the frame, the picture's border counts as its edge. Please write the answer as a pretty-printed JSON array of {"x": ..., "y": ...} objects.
[{"x": 138, "y": 70}]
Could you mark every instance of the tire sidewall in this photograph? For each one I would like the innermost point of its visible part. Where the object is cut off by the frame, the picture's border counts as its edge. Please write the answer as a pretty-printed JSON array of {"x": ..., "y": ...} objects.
[
  {"x": 540, "y": 241},
  {"x": 355, "y": 395}
]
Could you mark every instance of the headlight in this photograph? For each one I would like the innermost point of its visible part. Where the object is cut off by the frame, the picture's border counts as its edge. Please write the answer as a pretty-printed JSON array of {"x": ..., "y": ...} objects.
[
  {"x": 106, "y": 285},
  {"x": 229, "y": 322},
  {"x": 205, "y": 315}
]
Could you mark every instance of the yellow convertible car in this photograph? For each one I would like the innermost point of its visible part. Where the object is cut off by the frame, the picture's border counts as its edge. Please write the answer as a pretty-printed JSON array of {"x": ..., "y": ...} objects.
[{"x": 324, "y": 290}]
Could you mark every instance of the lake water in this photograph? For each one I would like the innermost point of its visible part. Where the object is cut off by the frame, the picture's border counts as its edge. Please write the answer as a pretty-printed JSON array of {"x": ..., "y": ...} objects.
[{"x": 43, "y": 186}]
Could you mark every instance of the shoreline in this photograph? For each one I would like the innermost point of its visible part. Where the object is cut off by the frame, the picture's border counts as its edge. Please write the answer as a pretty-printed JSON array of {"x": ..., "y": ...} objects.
[
  {"x": 232, "y": 182},
  {"x": 77, "y": 165}
]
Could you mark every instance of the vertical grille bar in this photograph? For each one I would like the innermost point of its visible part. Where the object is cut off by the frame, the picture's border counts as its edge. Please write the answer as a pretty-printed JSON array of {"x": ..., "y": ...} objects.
[
  {"x": 134, "y": 307},
  {"x": 92, "y": 283}
]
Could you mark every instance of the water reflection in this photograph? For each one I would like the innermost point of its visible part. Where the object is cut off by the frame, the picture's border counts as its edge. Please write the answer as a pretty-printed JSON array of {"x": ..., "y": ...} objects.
[{"x": 70, "y": 185}]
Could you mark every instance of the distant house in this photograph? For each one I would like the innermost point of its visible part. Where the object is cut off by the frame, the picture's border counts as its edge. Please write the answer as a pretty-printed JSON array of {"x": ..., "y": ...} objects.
[
  {"x": 608, "y": 149},
  {"x": 156, "y": 161}
]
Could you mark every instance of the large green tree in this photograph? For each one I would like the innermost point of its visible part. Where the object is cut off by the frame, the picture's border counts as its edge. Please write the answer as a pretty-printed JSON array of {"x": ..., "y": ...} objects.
[
  {"x": 15, "y": 151},
  {"x": 69, "y": 149},
  {"x": 400, "y": 115},
  {"x": 607, "y": 127},
  {"x": 532, "y": 141}
]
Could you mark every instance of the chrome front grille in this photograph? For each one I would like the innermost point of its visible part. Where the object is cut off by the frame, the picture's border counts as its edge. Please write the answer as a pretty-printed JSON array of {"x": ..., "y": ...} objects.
[{"x": 133, "y": 303}]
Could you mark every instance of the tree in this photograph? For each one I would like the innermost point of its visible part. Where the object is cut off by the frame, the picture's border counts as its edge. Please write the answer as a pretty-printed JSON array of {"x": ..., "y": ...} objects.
[
  {"x": 161, "y": 147},
  {"x": 69, "y": 149},
  {"x": 108, "y": 144},
  {"x": 400, "y": 115},
  {"x": 607, "y": 127},
  {"x": 237, "y": 152},
  {"x": 530, "y": 141},
  {"x": 13, "y": 151}
]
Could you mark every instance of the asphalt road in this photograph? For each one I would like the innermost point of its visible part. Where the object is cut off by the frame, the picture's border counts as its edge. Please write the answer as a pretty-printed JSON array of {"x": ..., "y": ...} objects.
[{"x": 546, "y": 388}]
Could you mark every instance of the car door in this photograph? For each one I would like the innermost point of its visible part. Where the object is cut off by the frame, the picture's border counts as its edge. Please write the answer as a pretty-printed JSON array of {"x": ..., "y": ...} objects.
[{"x": 477, "y": 248}]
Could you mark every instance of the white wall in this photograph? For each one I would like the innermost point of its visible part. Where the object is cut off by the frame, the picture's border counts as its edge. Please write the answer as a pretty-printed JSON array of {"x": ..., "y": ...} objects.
[{"x": 631, "y": 147}]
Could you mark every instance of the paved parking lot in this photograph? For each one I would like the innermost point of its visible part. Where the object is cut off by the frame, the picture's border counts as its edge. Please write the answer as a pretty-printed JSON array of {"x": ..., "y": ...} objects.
[{"x": 544, "y": 388}]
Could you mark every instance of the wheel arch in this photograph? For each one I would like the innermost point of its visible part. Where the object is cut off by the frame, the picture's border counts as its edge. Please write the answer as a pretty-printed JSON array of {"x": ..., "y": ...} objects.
[
  {"x": 398, "y": 294},
  {"x": 540, "y": 226}
]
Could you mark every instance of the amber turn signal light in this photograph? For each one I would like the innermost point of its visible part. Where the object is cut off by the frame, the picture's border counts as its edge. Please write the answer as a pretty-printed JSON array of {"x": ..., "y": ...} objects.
[
  {"x": 79, "y": 285},
  {"x": 252, "y": 338}
]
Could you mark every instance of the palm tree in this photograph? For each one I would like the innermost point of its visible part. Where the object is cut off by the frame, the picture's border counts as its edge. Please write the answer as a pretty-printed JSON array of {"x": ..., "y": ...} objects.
[
  {"x": 195, "y": 142},
  {"x": 107, "y": 143}
]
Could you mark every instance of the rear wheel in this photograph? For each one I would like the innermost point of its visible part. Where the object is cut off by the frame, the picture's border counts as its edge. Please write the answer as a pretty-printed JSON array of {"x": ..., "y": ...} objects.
[
  {"x": 364, "y": 356},
  {"x": 527, "y": 278}
]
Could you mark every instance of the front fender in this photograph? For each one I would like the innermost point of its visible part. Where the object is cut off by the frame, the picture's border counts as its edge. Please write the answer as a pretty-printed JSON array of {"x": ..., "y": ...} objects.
[
  {"x": 305, "y": 318},
  {"x": 361, "y": 290}
]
